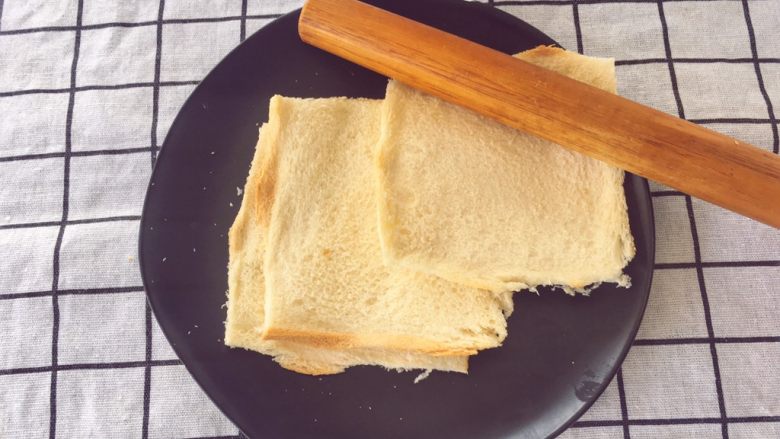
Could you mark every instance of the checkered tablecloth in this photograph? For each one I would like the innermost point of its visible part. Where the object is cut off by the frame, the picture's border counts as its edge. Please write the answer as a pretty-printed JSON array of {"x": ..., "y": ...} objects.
[{"x": 88, "y": 89}]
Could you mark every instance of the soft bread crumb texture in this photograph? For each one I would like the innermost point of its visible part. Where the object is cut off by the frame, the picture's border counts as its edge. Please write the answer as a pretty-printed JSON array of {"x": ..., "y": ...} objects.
[
  {"x": 470, "y": 200},
  {"x": 326, "y": 281},
  {"x": 246, "y": 293}
]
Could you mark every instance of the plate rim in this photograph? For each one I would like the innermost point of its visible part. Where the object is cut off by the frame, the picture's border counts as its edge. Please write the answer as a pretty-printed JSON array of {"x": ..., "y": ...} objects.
[
  {"x": 637, "y": 323},
  {"x": 269, "y": 27}
]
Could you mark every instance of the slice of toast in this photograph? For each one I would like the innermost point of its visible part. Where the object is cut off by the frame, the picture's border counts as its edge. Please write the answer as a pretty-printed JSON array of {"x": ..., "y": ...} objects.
[
  {"x": 246, "y": 294},
  {"x": 326, "y": 281},
  {"x": 475, "y": 202}
]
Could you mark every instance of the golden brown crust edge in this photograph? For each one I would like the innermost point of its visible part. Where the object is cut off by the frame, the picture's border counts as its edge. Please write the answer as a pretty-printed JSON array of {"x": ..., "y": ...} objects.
[{"x": 347, "y": 341}]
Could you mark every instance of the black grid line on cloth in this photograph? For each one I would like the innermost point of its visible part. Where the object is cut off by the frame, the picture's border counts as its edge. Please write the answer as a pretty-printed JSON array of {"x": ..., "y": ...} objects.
[
  {"x": 631, "y": 62},
  {"x": 63, "y": 224},
  {"x": 717, "y": 264},
  {"x": 89, "y": 366},
  {"x": 761, "y": 86},
  {"x": 695, "y": 235},
  {"x": 73, "y": 292},
  {"x": 1, "y": 15},
  {"x": 136, "y": 24},
  {"x": 707, "y": 316},
  {"x": 153, "y": 158},
  {"x": 669, "y": 61},
  {"x": 732, "y": 120},
  {"x": 575, "y": 10},
  {"x": 623, "y": 404},
  {"x": 88, "y": 153},
  {"x": 70, "y": 222},
  {"x": 156, "y": 82},
  {"x": 705, "y": 340},
  {"x": 676, "y": 421},
  {"x": 95, "y": 87},
  {"x": 244, "y": 5},
  {"x": 61, "y": 232}
]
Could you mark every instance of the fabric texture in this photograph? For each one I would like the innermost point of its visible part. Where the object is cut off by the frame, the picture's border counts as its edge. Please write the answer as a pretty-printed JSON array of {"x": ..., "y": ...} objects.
[{"x": 88, "y": 89}]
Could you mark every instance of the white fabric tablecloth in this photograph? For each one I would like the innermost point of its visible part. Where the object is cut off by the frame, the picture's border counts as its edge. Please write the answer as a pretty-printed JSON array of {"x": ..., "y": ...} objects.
[{"x": 88, "y": 89}]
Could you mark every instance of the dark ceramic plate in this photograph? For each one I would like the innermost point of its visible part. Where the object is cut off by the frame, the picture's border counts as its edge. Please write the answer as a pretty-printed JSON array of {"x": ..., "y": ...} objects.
[{"x": 561, "y": 351}]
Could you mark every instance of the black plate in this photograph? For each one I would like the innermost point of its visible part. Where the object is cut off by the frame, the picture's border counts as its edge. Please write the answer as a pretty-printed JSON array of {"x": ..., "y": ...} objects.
[{"x": 561, "y": 351}]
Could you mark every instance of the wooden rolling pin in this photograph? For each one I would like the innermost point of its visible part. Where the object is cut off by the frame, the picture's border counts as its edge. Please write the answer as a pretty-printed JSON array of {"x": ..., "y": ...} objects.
[{"x": 639, "y": 139}]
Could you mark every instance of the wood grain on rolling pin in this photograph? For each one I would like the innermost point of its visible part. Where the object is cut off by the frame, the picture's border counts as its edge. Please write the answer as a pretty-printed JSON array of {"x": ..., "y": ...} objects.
[{"x": 639, "y": 139}]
